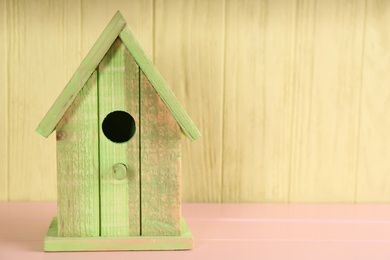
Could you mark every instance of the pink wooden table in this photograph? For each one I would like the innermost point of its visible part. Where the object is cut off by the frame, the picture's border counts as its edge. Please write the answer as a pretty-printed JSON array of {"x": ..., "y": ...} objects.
[{"x": 227, "y": 231}]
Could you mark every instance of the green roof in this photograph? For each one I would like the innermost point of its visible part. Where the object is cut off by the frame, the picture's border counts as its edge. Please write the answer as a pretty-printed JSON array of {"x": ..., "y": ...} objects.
[{"x": 116, "y": 28}]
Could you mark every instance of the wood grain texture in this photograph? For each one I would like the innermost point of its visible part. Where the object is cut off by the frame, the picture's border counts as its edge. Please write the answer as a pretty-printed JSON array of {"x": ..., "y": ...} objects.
[
  {"x": 230, "y": 231},
  {"x": 3, "y": 104},
  {"x": 78, "y": 165},
  {"x": 39, "y": 39},
  {"x": 189, "y": 52},
  {"x": 299, "y": 67},
  {"x": 257, "y": 100},
  {"x": 83, "y": 72},
  {"x": 119, "y": 91},
  {"x": 160, "y": 85},
  {"x": 373, "y": 180},
  {"x": 54, "y": 243},
  {"x": 160, "y": 165},
  {"x": 137, "y": 13},
  {"x": 326, "y": 95}
]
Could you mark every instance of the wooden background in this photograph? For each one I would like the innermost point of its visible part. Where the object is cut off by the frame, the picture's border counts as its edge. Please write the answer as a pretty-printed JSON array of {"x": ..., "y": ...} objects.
[{"x": 292, "y": 97}]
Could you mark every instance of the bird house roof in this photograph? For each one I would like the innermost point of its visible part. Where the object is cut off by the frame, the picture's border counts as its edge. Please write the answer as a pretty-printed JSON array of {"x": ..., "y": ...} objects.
[{"x": 116, "y": 28}]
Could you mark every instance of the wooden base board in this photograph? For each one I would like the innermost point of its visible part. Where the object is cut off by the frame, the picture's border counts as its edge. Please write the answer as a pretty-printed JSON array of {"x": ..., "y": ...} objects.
[{"x": 54, "y": 243}]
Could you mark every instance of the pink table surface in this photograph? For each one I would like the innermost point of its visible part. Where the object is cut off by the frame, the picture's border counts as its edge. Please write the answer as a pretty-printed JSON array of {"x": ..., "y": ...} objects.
[{"x": 227, "y": 231}]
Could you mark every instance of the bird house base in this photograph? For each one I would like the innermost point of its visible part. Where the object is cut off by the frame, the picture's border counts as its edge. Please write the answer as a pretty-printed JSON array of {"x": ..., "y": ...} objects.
[{"x": 55, "y": 243}]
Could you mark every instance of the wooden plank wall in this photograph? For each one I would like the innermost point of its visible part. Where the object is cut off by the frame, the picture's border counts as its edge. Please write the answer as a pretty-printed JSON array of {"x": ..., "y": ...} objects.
[
  {"x": 39, "y": 40},
  {"x": 291, "y": 96},
  {"x": 3, "y": 105},
  {"x": 190, "y": 57},
  {"x": 373, "y": 178}
]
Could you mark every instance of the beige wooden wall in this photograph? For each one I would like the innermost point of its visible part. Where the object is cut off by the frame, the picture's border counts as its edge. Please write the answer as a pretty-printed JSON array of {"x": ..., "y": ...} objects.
[{"x": 292, "y": 97}]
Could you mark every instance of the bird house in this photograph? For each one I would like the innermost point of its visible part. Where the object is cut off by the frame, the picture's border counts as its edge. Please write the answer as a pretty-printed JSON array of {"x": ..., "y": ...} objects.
[{"x": 118, "y": 130}]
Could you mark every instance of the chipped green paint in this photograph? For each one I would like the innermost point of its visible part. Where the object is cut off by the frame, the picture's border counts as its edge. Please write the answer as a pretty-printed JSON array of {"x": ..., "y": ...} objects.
[
  {"x": 116, "y": 27},
  {"x": 77, "y": 164},
  {"x": 55, "y": 243},
  {"x": 160, "y": 165},
  {"x": 160, "y": 85},
  {"x": 82, "y": 74},
  {"x": 126, "y": 195},
  {"x": 119, "y": 90}
]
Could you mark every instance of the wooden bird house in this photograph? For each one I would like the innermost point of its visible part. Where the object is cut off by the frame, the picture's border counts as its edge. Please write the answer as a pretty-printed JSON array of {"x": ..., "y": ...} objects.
[{"x": 118, "y": 129}]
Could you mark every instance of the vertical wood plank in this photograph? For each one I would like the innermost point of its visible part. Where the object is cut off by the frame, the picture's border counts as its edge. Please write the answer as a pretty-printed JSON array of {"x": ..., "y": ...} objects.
[
  {"x": 160, "y": 165},
  {"x": 257, "y": 99},
  {"x": 325, "y": 95},
  {"x": 373, "y": 183},
  {"x": 189, "y": 54},
  {"x": 119, "y": 91},
  {"x": 78, "y": 165},
  {"x": 42, "y": 55},
  {"x": 3, "y": 105}
]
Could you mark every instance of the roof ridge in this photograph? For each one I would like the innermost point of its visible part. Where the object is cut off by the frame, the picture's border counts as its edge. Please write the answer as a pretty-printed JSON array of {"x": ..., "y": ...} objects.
[
  {"x": 159, "y": 84},
  {"x": 116, "y": 28}
]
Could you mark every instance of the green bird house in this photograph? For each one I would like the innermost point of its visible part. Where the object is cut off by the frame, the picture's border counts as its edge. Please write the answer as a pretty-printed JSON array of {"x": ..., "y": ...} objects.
[{"x": 118, "y": 130}]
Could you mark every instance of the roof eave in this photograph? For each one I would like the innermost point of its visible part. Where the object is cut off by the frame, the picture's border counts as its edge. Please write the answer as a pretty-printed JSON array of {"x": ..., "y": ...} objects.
[
  {"x": 160, "y": 85},
  {"x": 82, "y": 74}
]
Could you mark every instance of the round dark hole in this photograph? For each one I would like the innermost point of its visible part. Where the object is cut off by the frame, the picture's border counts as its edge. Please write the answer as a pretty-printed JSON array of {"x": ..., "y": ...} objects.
[{"x": 119, "y": 126}]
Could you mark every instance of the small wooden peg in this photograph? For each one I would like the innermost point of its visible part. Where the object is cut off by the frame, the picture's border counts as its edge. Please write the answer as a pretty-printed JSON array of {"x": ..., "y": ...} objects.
[{"x": 119, "y": 171}]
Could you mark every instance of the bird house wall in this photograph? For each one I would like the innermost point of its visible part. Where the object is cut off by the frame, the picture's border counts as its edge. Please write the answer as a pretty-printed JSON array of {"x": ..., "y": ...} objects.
[
  {"x": 78, "y": 165},
  {"x": 91, "y": 202},
  {"x": 160, "y": 165}
]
